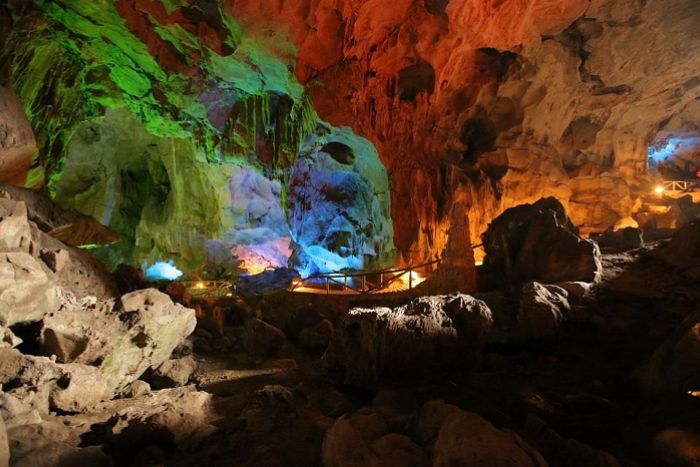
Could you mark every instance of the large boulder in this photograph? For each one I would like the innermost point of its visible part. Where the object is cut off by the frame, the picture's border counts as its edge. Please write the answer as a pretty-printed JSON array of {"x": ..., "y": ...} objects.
[
  {"x": 538, "y": 242},
  {"x": 428, "y": 332},
  {"x": 675, "y": 366},
  {"x": 126, "y": 338},
  {"x": 683, "y": 251},
  {"x": 363, "y": 438},
  {"x": 27, "y": 293},
  {"x": 464, "y": 438}
]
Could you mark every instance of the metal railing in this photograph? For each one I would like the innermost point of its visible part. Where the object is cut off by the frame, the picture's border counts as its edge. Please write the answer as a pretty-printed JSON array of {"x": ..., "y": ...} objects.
[
  {"x": 366, "y": 282},
  {"x": 680, "y": 185}
]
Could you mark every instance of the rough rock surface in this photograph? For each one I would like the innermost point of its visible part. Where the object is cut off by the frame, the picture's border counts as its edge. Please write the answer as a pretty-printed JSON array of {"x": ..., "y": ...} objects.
[
  {"x": 17, "y": 143},
  {"x": 683, "y": 251},
  {"x": 428, "y": 332},
  {"x": 262, "y": 338},
  {"x": 675, "y": 366},
  {"x": 538, "y": 242},
  {"x": 26, "y": 292},
  {"x": 497, "y": 103},
  {"x": 26, "y": 217},
  {"x": 43, "y": 385},
  {"x": 363, "y": 438},
  {"x": 132, "y": 85},
  {"x": 542, "y": 311},
  {"x": 174, "y": 372},
  {"x": 464, "y": 438},
  {"x": 340, "y": 210},
  {"x": 126, "y": 339}
]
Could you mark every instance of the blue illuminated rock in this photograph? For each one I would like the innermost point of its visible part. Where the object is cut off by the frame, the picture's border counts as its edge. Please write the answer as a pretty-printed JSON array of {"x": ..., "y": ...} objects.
[{"x": 339, "y": 200}]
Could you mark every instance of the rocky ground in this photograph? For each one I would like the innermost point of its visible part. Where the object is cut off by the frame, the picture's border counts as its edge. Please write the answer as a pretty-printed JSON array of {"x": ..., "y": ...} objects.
[{"x": 575, "y": 374}]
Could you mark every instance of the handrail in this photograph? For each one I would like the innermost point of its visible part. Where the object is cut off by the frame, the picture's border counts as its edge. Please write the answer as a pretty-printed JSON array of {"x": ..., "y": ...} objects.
[
  {"x": 679, "y": 185},
  {"x": 387, "y": 277}
]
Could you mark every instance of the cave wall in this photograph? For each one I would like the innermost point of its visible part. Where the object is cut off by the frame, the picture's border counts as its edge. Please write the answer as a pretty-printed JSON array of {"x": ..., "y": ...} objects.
[
  {"x": 169, "y": 124},
  {"x": 490, "y": 103}
]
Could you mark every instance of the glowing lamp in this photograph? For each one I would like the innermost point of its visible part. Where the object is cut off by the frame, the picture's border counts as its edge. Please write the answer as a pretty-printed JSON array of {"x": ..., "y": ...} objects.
[{"x": 659, "y": 190}]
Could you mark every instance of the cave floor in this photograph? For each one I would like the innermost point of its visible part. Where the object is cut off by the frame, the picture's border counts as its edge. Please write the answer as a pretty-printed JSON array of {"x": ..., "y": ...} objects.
[{"x": 581, "y": 385}]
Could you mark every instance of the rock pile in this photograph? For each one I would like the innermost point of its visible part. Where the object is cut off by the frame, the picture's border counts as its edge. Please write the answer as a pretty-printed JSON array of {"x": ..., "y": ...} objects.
[
  {"x": 83, "y": 344},
  {"x": 429, "y": 332}
]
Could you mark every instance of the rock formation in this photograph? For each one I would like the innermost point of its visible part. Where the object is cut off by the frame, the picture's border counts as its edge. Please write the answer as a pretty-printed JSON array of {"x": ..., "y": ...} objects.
[
  {"x": 185, "y": 143},
  {"x": 428, "y": 332},
  {"x": 538, "y": 242},
  {"x": 495, "y": 104}
]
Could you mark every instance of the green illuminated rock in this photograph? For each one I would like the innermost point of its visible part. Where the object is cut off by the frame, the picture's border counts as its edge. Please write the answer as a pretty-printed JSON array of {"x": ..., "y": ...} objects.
[{"x": 157, "y": 132}]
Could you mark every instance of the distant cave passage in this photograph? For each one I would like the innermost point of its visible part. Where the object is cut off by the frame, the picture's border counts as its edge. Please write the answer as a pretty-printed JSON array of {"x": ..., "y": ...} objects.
[{"x": 415, "y": 79}]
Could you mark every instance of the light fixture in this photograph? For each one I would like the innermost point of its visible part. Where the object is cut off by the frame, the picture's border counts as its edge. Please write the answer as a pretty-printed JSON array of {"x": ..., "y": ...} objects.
[{"x": 659, "y": 190}]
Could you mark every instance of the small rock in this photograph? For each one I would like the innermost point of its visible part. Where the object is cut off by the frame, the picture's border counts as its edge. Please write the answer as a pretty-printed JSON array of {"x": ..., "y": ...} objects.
[
  {"x": 174, "y": 372},
  {"x": 263, "y": 339},
  {"x": 316, "y": 337},
  {"x": 137, "y": 388}
]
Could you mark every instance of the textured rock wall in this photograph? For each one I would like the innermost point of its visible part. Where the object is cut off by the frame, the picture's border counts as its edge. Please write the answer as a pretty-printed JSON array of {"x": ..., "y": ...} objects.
[
  {"x": 168, "y": 124},
  {"x": 491, "y": 103}
]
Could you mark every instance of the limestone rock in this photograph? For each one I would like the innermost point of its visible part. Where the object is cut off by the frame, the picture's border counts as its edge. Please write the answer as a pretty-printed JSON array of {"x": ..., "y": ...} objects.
[
  {"x": 538, "y": 242},
  {"x": 174, "y": 372},
  {"x": 126, "y": 339},
  {"x": 44, "y": 385},
  {"x": 263, "y": 339},
  {"x": 316, "y": 337},
  {"x": 675, "y": 366},
  {"x": 138, "y": 388},
  {"x": 64, "y": 455},
  {"x": 23, "y": 215},
  {"x": 628, "y": 238},
  {"x": 428, "y": 332},
  {"x": 363, "y": 438},
  {"x": 79, "y": 388},
  {"x": 561, "y": 451},
  {"x": 8, "y": 338},
  {"x": 15, "y": 231},
  {"x": 683, "y": 251},
  {"x": 26, "y": 292},
  {"x": 542, "y": 310},
  {"x": 17, "y": 143},
  {"x": 464, "y": 438},
  {"x": 168, "y": 415},
  {"x": 340, "y": 205},
  {"x": 4, "y": 445}
]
